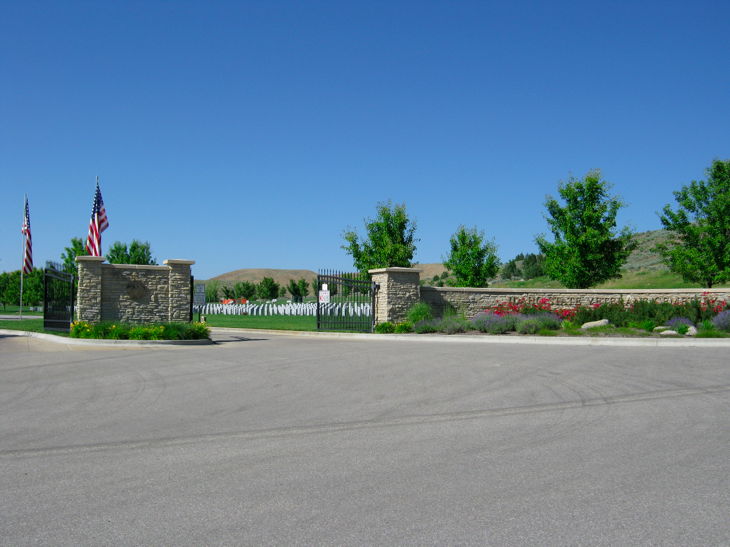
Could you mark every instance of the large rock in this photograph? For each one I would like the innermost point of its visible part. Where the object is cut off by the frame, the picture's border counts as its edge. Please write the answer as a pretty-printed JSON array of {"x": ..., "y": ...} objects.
[
  {"x": 669, "y": 332},
  {"x": 594, "y": 324}
]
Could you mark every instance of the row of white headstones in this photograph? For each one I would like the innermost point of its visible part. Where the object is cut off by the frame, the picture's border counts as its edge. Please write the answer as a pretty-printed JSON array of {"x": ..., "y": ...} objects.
[{"x": 347, "y": 309}]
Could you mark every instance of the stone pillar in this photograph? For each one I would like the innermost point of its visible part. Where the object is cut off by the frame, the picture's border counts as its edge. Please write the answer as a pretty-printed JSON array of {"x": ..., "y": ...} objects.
[
  {"x": 179, "y": 288},
  {"x": 399, "y": 290},
  {"x": 88, "y": 298}
]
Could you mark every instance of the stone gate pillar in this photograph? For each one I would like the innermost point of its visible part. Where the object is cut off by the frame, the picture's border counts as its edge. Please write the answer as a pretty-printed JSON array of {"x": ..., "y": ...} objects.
[
  {"x": 88, "y": 300},
  {"x": 399, "y": 290},
  {"x": 179, "y": 287}
]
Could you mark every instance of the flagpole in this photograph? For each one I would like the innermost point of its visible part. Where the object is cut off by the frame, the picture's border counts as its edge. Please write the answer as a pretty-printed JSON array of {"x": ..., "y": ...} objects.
[{"x": 22, "y": 263}]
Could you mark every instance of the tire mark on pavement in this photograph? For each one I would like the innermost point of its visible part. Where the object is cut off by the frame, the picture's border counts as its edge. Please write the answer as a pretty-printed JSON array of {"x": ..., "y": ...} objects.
[{"x": 424, "y": 419}]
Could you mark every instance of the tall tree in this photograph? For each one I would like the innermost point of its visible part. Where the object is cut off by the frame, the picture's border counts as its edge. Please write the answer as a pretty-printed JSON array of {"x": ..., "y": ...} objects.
[
  {"x": 472, "y": 260},
  {"x": 390, "y": 240},
  {"x": 68, "y": 257},
  {"x": 212, "y": 288},
  {"x": 268, "y": 288},
  {"x": 137, "y": 253},
  {"x": 32, "y": 288},
  {"x": 245, "y": 289},
  {"x": 700, "y": 251},
  {"x": 586, "y": 250},
  {"x": 298, "y": 289}
]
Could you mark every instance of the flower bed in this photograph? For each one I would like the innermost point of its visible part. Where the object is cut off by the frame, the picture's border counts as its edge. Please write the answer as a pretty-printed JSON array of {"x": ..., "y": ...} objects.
[
  {"x": 706, "y": 317},
  {"x": 122, "y": 331}
]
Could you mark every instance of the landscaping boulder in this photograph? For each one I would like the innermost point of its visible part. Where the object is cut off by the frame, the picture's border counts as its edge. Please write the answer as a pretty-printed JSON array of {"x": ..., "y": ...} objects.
[
  {"x": 668, "y": 332},
  {"x": 661, "y": 329},
  {"x": 594, "y": 324},
  {"x": 691, "y": 331}
]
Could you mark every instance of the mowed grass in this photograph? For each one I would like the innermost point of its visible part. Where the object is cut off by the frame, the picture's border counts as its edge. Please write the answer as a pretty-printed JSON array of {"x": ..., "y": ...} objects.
[
  {"x": 274, "y": 322},
  {"x": 29, "y": 325}
]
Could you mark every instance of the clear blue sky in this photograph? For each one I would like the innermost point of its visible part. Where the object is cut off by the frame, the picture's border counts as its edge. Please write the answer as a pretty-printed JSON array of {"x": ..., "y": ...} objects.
[{"x": 251, "y": 134}]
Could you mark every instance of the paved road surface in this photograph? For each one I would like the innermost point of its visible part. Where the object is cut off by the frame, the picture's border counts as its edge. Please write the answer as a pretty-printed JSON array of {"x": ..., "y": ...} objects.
[{"x": 279, "y": 440}]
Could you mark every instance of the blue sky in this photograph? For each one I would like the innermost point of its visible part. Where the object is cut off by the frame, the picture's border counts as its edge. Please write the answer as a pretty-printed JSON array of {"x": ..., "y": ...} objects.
[{"x": 252, "y": 134}]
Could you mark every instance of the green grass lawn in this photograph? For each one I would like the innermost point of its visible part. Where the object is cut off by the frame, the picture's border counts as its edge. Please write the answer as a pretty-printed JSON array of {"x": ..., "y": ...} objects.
[
  {"x": 10, "y": 309},
  {"x": 29, "y": 325},
  {"x": 276, "y": 322}
]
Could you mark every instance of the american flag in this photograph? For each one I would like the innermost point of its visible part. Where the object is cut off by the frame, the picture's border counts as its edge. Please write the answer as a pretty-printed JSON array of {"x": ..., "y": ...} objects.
[
  {"x": 97, "y": 225},
  {"x": 28, "y": 247}
]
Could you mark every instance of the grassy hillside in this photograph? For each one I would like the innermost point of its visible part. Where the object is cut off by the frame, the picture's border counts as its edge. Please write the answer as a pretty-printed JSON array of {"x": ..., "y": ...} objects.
[{"x": 644, "y": 269}]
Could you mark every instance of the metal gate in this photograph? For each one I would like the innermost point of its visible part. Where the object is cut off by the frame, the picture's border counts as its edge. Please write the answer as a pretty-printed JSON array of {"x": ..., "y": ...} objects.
[
  {"x": 345, "y": 302},
  {"x": 58, "y": 298}
]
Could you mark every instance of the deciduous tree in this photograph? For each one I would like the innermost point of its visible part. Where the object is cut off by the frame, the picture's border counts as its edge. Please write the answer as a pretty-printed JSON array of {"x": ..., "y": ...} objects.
[
  {"x": 137, "y": 253},
  {"x": 472, "y": 260},
  {"x": 700, "y": 249},
  {"x": 587, "y": 249},
  {"x": 390, "y": 240}
]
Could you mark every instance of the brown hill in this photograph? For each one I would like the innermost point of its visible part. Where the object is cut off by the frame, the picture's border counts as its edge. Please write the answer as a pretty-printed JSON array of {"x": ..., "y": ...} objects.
[
  {"x": 255, "y": 275},
  {"x": 429, "y": 270}
]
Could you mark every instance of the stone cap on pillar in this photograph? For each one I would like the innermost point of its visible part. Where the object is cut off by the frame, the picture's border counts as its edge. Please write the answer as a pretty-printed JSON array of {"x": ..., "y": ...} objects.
[
  {"x": 177, "y": 261},
  {"x": 394, "y": 269},
  {"x": 87, "y": 258}
]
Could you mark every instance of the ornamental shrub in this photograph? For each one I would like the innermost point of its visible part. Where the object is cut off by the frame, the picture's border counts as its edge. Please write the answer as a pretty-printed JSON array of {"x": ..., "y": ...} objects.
[
  {"x": 420, "y": 312},
  {"x": 426, "y": 326},
  {"x": 722, "y": 321},
  {"x": 404, "y": 327},
  {"x": 615, "y": 313},
  {"x": 548, "y": 320},
  {"x": 157, "y": 331},
  {"x": 453, "y": 325},
  {"x": 528, "y": 326},
  {"x": 386, "y": 327},
  {"x": 675, "y": 322}
]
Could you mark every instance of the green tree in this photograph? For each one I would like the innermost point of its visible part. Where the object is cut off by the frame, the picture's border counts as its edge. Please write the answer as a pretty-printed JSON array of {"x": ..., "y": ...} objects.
[
  {"x": 587, "y": 249},
  {"x": 211, "y": 290},
  {"x": 228, "y": 292},
  {"x": 700, "y": 250},
  {"x": 4, "y": 280},
  {"x": 389, "y": 242},
  {"x": 267, "y": 289},
  {"x": 510, "y": 270},
  {"x": 68, "y": 257},
  {"x": 137, "y": 253},
  {"x": 472, "y": 260},
  {"x": 32, "y": 288},
  {"x": 533, "y": 265},
  {"x": 298, "y": 289},
  {"x": 245, "y": 289}
]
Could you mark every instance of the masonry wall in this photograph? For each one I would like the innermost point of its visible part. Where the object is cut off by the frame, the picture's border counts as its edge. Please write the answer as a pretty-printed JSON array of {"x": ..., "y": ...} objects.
[
  {"x": 399, "y": 290},
  {"x": 132, "y": 293},
  {"x": 471, "y": 301}
]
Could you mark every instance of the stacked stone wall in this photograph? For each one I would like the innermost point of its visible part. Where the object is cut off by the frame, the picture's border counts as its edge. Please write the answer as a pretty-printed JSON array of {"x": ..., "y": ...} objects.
[
  {"x": 399, "y": 290},
  {"x": 471, "y": 301},
  {"x": 132, "y": 293}
]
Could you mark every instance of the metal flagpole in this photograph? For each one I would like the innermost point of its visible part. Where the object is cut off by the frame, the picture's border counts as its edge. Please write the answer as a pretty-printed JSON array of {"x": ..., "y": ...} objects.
[{"x": 22, "y": 264}]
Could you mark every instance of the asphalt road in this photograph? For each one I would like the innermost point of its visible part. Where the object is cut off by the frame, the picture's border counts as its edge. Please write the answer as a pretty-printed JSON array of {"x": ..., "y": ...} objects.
[{"x": 306, "y": 441}]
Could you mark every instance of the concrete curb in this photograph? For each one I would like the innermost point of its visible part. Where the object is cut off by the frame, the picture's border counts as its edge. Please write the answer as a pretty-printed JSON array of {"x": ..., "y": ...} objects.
[
  {"x": 453, "y": 338},
  {"x": 497, "y": 339},
  {"x": 117, "y": 343}
]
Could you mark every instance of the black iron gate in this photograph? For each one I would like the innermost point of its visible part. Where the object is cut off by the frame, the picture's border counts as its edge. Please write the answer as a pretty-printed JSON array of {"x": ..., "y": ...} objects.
[
  {"x": 345, "y": 302},
  {"x": 58, "y": 298}
]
